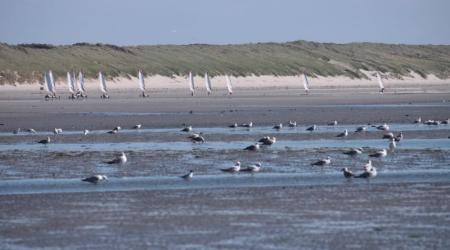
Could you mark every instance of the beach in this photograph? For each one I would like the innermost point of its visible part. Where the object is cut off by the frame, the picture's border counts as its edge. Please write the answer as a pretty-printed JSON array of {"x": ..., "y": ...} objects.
[{"x": 288, "y": 205}]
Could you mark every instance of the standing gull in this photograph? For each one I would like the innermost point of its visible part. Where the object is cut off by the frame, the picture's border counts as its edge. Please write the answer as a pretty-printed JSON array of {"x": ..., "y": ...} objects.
[
  {"x": 85, "y": 132},
  {"x": 292, "y": 124},
  {"x": 334, "y": 123},
  {"x": 45, "y": 141},
  {"x": 186, "y": 128},
  {"x": 235, "y": 125},
  {"x": 392, "y": 145},
  {"x": 343, "y": 134},
  {"x": 137, "y": 126},
  {"x": 278, "y": 126},
  {"x": 119, "y": 160},
  {"x": 188, "y": 176},
  {"x": 312, "y": 128}
]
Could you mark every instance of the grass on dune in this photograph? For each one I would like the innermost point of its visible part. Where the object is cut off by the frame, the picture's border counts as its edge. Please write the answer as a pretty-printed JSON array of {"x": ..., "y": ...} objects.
[{"x": 27, "y": 62}]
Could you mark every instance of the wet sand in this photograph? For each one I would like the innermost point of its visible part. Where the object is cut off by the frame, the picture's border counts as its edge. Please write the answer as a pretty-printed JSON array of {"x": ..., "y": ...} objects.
[{"x": 401, "y": 212}]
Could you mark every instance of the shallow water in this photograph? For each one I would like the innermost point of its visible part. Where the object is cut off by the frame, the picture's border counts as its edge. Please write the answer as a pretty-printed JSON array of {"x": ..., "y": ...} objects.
[
  {"x": 442, "y": 144},
  {"x": 256, "y": 130},
  {"x": 43, "y": 186}
]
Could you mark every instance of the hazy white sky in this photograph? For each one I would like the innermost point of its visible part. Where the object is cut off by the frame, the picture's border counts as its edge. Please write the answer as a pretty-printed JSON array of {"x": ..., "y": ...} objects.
[{"x": 133, "y": 22}]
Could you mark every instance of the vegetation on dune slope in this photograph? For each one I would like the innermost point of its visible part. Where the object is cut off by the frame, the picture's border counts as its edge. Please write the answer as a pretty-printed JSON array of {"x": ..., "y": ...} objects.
[{"x": 27, "y": 62}]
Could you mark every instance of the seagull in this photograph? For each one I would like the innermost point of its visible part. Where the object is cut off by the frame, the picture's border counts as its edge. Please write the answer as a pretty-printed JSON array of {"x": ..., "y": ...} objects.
[
  {"x": 323, "y": 162},
  {"x": 343, "y": 134},
  {"x": 194, "y": 135},
  {"x": 347, "y": 172},
  {"x": 361, "y": 129},
  {"x": 188, "y": 176},
  {"x": 253, "y": 147},
  {"x": 267, "y": 140},
  {"x": 418, "y": 120},
  {"x": 369, "y": 171},
  {"x": 57, "y": 131},
  {"x": 388, "y": 135},
  {"x": 113, "y": 131},
  {"x": 122, "y": 159},
  {"x": 278, "y": 126},
  {"x": 334, "y": 123},
  {"x": 137, "y": 126},
  {"x": 292, "y": 124},
  {"x": 354, "y": 151},
  {"x": 30, "y": 130},
  {"x": 118, "y": 128},
  {"x": 16, "y": 131},
  {"x": 392, "y": 145},
  {"x": 446, "y": 122},
  {"x": 252, "y": 168},
  {"x": 187, "y": 129},
  {"x": 312, "y": 128},
  {"x": 96, "y": 179},
  {"x": 380, "y": 153},
  {"x": 432, "y": 122},
  {"x": 399, "y": 137},
  {"x": 233, "y": 169},
  {"x": 85, "y": 132},
  {"x": 233, "y": 125},
  {"x": 384, "y": 127},
  {"x": 247, "y": 125},
  {"x": 197, "y": 138},
  {"x": 45, "y": 141}
]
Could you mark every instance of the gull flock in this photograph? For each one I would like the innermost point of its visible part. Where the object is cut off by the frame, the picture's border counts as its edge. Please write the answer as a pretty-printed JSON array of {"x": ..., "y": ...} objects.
[{"x": 368, "y": 170}]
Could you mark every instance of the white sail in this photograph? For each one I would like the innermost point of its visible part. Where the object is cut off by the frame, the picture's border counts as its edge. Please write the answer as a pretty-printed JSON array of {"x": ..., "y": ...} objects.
[
  {"x": 229, "y": 86},
  {"x": 81, "y": 82},
  {"x": 101, "y": 79},
  {"x": 191, "y": 83},
  {"x": 47, "y": 83},
  {"x": 141, "y": 81},
  {"x": 208, "y": 83},
  {"x": 305, "y": 83},
  {"x": 70, "y": 83},
  {"x": 380, "y": 81},
  {"x": 52, "y": 82}
]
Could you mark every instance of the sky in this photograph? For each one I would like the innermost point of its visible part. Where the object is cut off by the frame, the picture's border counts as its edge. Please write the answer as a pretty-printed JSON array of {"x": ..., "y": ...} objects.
[{"x": 138, "y": 22}]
